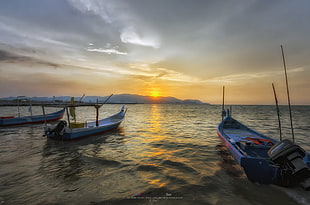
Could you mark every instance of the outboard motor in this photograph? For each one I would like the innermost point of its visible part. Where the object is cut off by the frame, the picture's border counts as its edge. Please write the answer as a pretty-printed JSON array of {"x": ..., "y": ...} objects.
[
  {"x": 289, "y": 158},
  {"x": 58, "y": 129}
]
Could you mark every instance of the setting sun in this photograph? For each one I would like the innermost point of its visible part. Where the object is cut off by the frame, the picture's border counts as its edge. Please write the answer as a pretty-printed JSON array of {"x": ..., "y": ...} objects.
[{"x": 155, "y": 94}]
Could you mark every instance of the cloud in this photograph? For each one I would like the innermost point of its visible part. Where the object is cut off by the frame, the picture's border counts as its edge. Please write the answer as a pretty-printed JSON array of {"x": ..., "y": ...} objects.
[
  {"x": 101, "y": 8},
  {"x": 129, "y": 35},
  {"x": 149, "y": 72},
  {"x": 20, "y": 61},
  {"x": 108, "y": 51},
  {"x": 175, "y": 42},
  {"x": 131, "y": 28},
  {"x": 20, "y": 31},
  {"x": 295, "y": 70},
  {"x": 8, "y": 57},
  {"x": 144, "y": 71},
  {"x": 31, "y": 63},
  {"x": 252, "y": 76}
]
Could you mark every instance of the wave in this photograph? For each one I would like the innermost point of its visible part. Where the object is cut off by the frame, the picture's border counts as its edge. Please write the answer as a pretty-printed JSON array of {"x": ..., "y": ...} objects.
[
  {"x": 180, "y": 166},
  {"x": 149, "y": 168}
]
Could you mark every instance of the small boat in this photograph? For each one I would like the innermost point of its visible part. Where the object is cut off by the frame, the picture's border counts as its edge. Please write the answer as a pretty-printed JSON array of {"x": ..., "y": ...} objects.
[
  {"x": 265, "y": 160},
  {"x": 63, "y": 131},
  {"x": 11, "y": 120}
]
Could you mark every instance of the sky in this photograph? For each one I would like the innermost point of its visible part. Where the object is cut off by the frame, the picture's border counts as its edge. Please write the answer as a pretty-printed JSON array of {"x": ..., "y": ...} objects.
[{"x": 179, "y": 48}]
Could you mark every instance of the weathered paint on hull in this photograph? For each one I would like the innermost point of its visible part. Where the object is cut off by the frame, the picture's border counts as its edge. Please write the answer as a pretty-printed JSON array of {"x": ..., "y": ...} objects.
[
  {"x": 32, "y": 119},
  {"x": 105, "y": 125},
  {"x": 80, "y": 135},
  {"x": 257, "y": 170}
]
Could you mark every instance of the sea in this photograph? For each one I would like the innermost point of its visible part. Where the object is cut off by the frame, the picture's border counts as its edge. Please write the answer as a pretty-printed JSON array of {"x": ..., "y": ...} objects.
[{"x": 161, "y": 154}]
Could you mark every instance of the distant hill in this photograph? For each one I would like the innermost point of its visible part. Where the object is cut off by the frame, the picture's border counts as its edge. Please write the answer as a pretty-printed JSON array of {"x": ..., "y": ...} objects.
[{"x": 120, "y": 98}]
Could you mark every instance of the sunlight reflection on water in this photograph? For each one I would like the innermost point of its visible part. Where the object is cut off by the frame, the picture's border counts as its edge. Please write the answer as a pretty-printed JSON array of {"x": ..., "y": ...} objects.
[{"x": 159, "y": 149}]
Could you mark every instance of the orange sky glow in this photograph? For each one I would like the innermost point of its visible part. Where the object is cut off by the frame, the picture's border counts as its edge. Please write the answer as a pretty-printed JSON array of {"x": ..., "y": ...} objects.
[{"x": 172, "y": 48}]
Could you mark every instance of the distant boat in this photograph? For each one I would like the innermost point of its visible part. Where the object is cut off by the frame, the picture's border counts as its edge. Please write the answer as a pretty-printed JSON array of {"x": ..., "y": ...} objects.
[
  {"x": 11, "y": 120},
  {"x": 75, "y": 130},
  {"x": 264, "y": 159}
]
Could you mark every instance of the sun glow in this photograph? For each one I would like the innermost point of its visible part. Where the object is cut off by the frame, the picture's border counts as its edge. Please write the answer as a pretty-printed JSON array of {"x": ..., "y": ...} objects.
[{"x": 155, "y": 94}]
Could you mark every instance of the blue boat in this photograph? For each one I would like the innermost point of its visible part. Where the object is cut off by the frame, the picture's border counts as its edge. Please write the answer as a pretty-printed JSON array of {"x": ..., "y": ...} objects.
[
  {"x": 73, "y": 131},
  {"x": 265, "y": 160},
  {"x": 10, "y": 120}
]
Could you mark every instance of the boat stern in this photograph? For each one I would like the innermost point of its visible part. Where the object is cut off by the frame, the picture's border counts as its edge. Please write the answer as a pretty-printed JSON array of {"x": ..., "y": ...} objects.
[
  {"x": 307, "y": 159},
  {"x": 259, "y": 170},
  {"x": 55, "y": 131}
]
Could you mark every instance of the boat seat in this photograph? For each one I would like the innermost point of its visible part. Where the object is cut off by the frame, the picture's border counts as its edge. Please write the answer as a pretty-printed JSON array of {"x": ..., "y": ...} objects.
[
  {"x": 253, "y": 149},
  {"x": 231, "y": 125}
]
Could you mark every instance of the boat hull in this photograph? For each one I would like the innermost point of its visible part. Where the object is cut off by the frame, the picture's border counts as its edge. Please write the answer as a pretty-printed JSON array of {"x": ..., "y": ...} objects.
[
  {"x": 250, "y": 150},
  {"x": 105, "y": 125},
  {"x": 32, "y": 119},
  {"x": 86, "y": 132},
  {"x": 256, "y": 169}
]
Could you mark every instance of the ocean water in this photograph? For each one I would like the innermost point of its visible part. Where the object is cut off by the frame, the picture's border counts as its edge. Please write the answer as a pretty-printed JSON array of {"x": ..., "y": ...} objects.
[{"x": 161, "y": 154}]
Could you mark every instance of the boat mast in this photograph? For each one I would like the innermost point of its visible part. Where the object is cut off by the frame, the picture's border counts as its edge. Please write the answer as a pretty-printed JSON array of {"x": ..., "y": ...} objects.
[
  {"x": 18, "y": 107},
  {"x": 288, "y": 94},
  {"x": 223, "y": 109},
  {"x": 18, "y": 104},
  {"x": 44, "y": 115},
  {"x": 107, "y": 99},
  {"x": 97, "y": 106},
  {"x": 30, "y": 108},
  {"x": 72, "y": 109},
  {"x": 81, "y": 99},
  {"x": 68, "y": 116},
  {"x": 278, "y": 110}
]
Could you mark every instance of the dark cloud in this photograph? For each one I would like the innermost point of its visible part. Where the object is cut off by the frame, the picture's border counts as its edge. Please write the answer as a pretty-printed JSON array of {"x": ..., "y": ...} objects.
[
  {"x": 8, "y": 57},
  {"x": 143, "y": 77},
  {"x": 162, "y": 74},
  {"x": 177, "y": 39},
  {"x": 32, "y": 63}
]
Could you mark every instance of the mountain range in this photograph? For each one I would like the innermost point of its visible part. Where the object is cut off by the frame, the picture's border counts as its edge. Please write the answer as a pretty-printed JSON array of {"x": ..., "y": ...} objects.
[{"x": 119, "y": 98}]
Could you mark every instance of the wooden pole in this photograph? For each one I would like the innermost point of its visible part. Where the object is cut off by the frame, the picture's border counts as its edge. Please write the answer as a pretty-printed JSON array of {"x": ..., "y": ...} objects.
[
  {"x": 68, "y": 116},
  {"x": 288, "y": 94},
  {"x": 44, "y": 116},
  {"x": 97, "y": 113},
  {"x": 18, "y": 107},
  {"x": 81, "y": 99},
  {"x": 18, "y": 104},
  {"x": 107, "y": 99},
  {"x": 97, "y": 106},
  {"x": 223, "y": 103},
  {"x": 278, "y": 110},
  {"x": 30, "y": 108}
]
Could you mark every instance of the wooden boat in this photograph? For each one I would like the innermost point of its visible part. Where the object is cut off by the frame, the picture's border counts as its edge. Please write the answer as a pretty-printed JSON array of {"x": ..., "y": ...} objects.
[
  {"x": 63, "y": 131},
  {"x": 11, "y": 120},
  {"x": 264, "y": 159}
]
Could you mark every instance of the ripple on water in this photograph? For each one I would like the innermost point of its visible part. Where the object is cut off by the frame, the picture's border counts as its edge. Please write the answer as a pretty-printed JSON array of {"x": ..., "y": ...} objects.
[
  {"x": 149, "y": 168},
  {"x": 179, "y": 166},
  {"x": 161, "y": 150}
]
